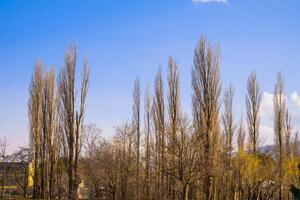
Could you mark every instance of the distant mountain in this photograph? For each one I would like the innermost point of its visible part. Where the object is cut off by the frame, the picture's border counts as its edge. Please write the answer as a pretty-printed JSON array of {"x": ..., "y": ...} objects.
[
  {"x": 268, "y": 149},
  {"x": 271, "y": 148}
]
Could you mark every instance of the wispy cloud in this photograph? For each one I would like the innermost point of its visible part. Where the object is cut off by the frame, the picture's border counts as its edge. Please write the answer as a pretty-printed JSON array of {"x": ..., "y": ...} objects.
[
  {"x": 210, "y": 1},
  {"x": 296, "y": 99}
]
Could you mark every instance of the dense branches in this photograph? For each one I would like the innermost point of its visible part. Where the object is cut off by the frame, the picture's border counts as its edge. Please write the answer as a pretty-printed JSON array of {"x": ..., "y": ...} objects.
[
  {"x": 206, "y": 93},
  {"x": 279, "y": 121},
  {"x": 52, "y": 118},
  {"x": 137, "y": 130},
  {"x": 35, "y": 121},
  {"x": 168, "y": 155},
  {"x": 72, "y": 120},
  {"x": 160, "y": 139},
  {"x": 253, "y": 101}
]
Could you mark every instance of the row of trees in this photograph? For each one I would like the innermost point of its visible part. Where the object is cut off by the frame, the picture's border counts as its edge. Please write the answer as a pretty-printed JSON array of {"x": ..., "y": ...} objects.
[
  {"x": 161, "y": 153},
  {"x": 56, "y": 123}
]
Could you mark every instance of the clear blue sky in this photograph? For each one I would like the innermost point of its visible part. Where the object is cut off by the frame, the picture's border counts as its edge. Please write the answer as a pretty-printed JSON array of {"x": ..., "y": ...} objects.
[{"x": 124, "y": 39}]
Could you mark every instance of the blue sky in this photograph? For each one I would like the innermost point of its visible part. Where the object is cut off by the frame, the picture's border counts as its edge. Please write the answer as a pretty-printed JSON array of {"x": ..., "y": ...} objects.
[{"x": 124, "y": 39}]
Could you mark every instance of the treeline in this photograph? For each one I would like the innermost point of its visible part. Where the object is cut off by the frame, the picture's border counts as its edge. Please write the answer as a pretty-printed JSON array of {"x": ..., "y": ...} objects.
[
  {"x": 161, "y": 153},
  {"x": 56, "y": 123}
]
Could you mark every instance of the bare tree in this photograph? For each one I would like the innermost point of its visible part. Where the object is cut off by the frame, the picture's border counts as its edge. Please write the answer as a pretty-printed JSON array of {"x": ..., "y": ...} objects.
[
  {"x": 147, "y": 107},
  {"x": 71, "y": 118},
  {"x": 51, "y": 129},
  {"x": 241, "y": 133},
  {"x": 174, "y": 114},
  {"x": 123, "y": 147},
  {"x": 4, "y": 158},
  {"x": 229, "y": 126},
  {"x": 108, "y": 164},
  {"x": 288, "y": 133},
  {"x": 253, "y": 101},
  {"x": 229, "y": 129},
  {"x": 23, "y": 155},
  {"x": 159, "y": 126},
  {"x": 35, "y": 122},
  {"x": 110, "y": 169},
  {"x": 45, "y": 137},
  {"x": 279, "y": 128},
  {"x": 137, "y": 131},
  {"x": 187, "y": 159},
  {"x": 169, "y": 156},
  {"x": 92, "y": 171},
  {"x": 48, "y": 134},
  {"x": 206, "y": 92}
]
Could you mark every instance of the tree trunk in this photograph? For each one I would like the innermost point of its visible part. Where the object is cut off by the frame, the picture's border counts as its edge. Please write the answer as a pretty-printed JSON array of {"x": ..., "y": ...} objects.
[
  {"x": 70, "y": 172},
  {"x": 185, "y": 194},
  {"x": 51, "y": 180}
]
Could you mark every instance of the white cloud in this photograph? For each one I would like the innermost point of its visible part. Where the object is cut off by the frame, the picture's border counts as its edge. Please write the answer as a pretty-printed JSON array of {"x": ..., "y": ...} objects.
[
  {"x": 210, "y": 1},
  {"x": 267, "y": 104},
  {"x": 266, "y": 108},
  {"x": 266, "y": 130},
  {"x": 295, "y": 99},
  {"x": 267, "y": 135}
]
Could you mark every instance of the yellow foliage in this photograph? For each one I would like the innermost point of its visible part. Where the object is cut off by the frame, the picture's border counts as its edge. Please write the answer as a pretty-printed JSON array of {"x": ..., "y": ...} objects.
[
  {"x": 30, "y": 175},
  {"x": 290, "y": 167},
  {"x": 241, "y": 154},
  {"x": 252, "y": 166}
]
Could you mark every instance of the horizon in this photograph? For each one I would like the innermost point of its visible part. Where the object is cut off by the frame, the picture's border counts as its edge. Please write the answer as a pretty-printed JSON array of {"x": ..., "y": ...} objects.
[{"x": 125, "y": 39}]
